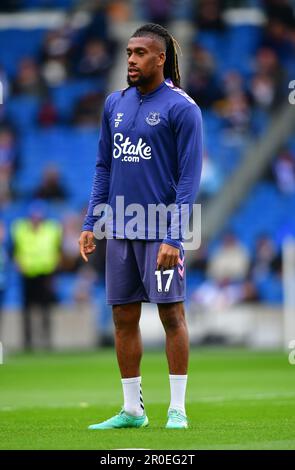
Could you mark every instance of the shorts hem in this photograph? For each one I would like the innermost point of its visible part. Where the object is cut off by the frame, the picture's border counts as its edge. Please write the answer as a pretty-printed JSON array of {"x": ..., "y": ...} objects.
[
  {"x": 150, "y": 300},
  {"x": 168, "y": 300},
  {"x": 125, "y": 301}
]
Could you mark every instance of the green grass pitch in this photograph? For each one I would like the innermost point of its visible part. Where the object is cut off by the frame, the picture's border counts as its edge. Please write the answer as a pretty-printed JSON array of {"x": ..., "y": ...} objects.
[{"x": 236, "y": 399}]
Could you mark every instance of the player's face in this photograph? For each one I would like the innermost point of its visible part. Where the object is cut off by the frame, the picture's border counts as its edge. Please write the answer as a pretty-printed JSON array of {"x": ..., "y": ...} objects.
[{"x": 145, "y": 60}]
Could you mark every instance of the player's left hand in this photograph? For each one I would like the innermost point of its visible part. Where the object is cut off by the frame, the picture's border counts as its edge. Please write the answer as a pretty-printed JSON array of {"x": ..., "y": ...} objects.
[
  {"x": 87, "y": 245},
  {"x": 167, "y": 256}
]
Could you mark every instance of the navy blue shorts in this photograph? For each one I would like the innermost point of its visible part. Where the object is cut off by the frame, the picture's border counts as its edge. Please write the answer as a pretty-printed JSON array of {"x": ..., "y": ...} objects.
[{"x": 132, "y": 275}]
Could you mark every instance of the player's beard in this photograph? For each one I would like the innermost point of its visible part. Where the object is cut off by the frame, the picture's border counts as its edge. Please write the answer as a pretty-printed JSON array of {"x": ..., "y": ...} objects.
[{"x": 141, "y": 80}]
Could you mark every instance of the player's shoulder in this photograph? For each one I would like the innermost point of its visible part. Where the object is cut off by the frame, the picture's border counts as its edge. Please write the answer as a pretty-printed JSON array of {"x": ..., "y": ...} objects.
[
  {"x": 181, "y": 104},
  {"x": 113, "y": 98},
  {"x": 179, "y": 95},
  {"x": 180, "y": 100}
]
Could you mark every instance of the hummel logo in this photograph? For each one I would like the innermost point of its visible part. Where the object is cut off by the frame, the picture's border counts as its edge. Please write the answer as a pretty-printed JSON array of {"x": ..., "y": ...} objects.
[
  {"x": 118, "y": 119},
  {"x": 181, "y": 267}
]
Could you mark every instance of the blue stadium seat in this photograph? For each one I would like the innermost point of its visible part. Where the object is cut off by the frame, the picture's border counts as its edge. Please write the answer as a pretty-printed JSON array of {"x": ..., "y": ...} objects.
[
  {"x": 270, "y": 289},
  {"x": 64, "y": 287},
  {"x": 278, "y": 215},
  {"x": 46, "y": 4},
  {"x": 72, "y": 150},
  {"x": 23, "y": 111},
  {"x": 13, "y": 295},
  {"x": 66, "y": 96},
  {"x": 19, "y": 43}
]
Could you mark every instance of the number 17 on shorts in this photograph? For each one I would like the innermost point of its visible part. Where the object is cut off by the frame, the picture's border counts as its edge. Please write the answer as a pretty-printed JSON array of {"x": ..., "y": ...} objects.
[
  {"x": 170, "y": 283},
  {"x": 164, "y": 279}
]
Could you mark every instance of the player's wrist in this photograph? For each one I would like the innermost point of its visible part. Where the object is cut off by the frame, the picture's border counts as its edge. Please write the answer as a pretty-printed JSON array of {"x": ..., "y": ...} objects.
[
  {"x": 174, "y": 243},
  {"x": 87, "y": 228}
]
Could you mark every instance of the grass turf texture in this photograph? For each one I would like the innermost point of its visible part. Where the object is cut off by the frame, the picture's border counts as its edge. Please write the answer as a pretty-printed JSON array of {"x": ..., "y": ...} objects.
[{"x": 236, "y": 399}]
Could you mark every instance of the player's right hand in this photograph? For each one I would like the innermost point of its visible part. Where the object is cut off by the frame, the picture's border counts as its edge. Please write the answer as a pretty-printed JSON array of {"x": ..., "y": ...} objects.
[{"x": 87, "y": 245}]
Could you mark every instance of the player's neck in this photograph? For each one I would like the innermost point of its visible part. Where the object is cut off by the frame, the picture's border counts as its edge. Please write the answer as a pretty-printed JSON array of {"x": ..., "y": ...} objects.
[{"x": 149, "y": 87}]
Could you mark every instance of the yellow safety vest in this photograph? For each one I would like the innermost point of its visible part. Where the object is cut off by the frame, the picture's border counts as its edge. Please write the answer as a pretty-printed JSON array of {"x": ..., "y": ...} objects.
[{"x": 37, "y": 249}]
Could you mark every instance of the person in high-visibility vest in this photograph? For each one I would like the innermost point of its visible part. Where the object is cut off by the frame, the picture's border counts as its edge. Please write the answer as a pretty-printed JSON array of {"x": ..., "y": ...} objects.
[
  {"x": 37, "y": 246},
  {"x": 4, "y": 267}
]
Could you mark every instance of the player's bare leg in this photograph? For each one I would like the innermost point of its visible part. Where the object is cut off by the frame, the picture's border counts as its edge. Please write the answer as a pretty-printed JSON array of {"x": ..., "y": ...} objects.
[
  {"x": 129, "y": 351},
  {"x": 177, "y": 349},
  {"x": 128, "y": 338},
  {"x": 177, "y": 342}
]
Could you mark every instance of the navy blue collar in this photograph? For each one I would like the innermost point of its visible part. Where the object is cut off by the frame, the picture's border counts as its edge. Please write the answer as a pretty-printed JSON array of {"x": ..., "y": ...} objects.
[{"x": 151, "y": 93}]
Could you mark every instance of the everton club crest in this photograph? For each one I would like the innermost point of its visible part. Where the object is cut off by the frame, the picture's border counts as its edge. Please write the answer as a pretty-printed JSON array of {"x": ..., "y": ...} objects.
[{"x": 153, "y": 118}]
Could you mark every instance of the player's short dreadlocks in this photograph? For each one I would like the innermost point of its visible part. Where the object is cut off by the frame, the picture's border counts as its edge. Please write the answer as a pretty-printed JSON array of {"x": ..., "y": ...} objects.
[{"x": 171, "y": 69}]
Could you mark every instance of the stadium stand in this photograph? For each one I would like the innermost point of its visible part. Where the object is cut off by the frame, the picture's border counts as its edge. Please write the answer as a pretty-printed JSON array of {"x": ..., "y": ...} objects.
[{"x": 239, "y": 73}]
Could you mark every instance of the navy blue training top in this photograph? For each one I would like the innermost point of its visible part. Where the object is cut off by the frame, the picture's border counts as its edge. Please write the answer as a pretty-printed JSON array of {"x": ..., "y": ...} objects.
[{"x": 149, "y": 152}]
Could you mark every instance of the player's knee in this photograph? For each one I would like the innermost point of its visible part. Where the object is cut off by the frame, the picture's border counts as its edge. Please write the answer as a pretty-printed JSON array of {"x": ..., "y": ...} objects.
[
  {"x": 173, "y": 323},
  {"x": 123, "y": 318},
  {"x": 172, "y": 317}
]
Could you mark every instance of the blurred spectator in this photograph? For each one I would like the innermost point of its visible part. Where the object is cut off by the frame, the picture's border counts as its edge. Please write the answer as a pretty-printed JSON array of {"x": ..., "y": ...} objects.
[
  {"x": 280, "y": 28},
  {"x": 119, "y": 11},
  {"x": 223, "y": 294},
  {"x": 236, "y": 112},
  {"x": 7, "y": 149},
  {"x": 48, "y": 115},
  {"x": 202, "y": 83},
  {"x": 95, "y": 60},
  {"x": 37, "y": 243},
  {"x": 233, "y": 83},
  {"x": 70, "y": 248},
  {"x": 159, "y": 12},
  {"x": 57, "y": 43},
  {"x": 4, "y": 256},
  {"x": 235, "y": 106},
  {"x": 284, "y": 172},
  {"x": 88, "y": 110},
  {"x": 98, "y": 26},
  {"x": 51, "y": 187},
  {"x": 265, "y": 258},
  {"x": 263, "y": 91},
  {"x": 56, "y": 55},
  {"x": 267, "y": 63},
  {"x": 28, "y": 79},
  {"x": 208, "y": 14},
  {"x": 268, "y": 82},
  {"x": 230, "y": 262},
  {"x": 7, "y": 163},
  {"x": 54, "y": 72}
]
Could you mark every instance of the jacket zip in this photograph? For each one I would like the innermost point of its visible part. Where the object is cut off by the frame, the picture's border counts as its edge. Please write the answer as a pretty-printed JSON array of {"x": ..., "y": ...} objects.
[{"x": 134, "y": 120}]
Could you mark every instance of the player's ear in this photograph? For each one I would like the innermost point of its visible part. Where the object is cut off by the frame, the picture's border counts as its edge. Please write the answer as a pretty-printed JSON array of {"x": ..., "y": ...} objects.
[{"x": 162, "y": 58}]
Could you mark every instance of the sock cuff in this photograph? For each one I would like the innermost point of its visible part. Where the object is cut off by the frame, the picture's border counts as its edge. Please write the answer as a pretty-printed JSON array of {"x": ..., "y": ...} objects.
[
  {"x": 131, "y": 380},
  {"x": 177, "y": 377}
]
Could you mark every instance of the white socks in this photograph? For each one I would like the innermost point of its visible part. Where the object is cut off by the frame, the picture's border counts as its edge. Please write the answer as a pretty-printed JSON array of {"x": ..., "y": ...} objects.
[
  {"x": 177, "y": 389},
  {"x": 133, "y": 401}
]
